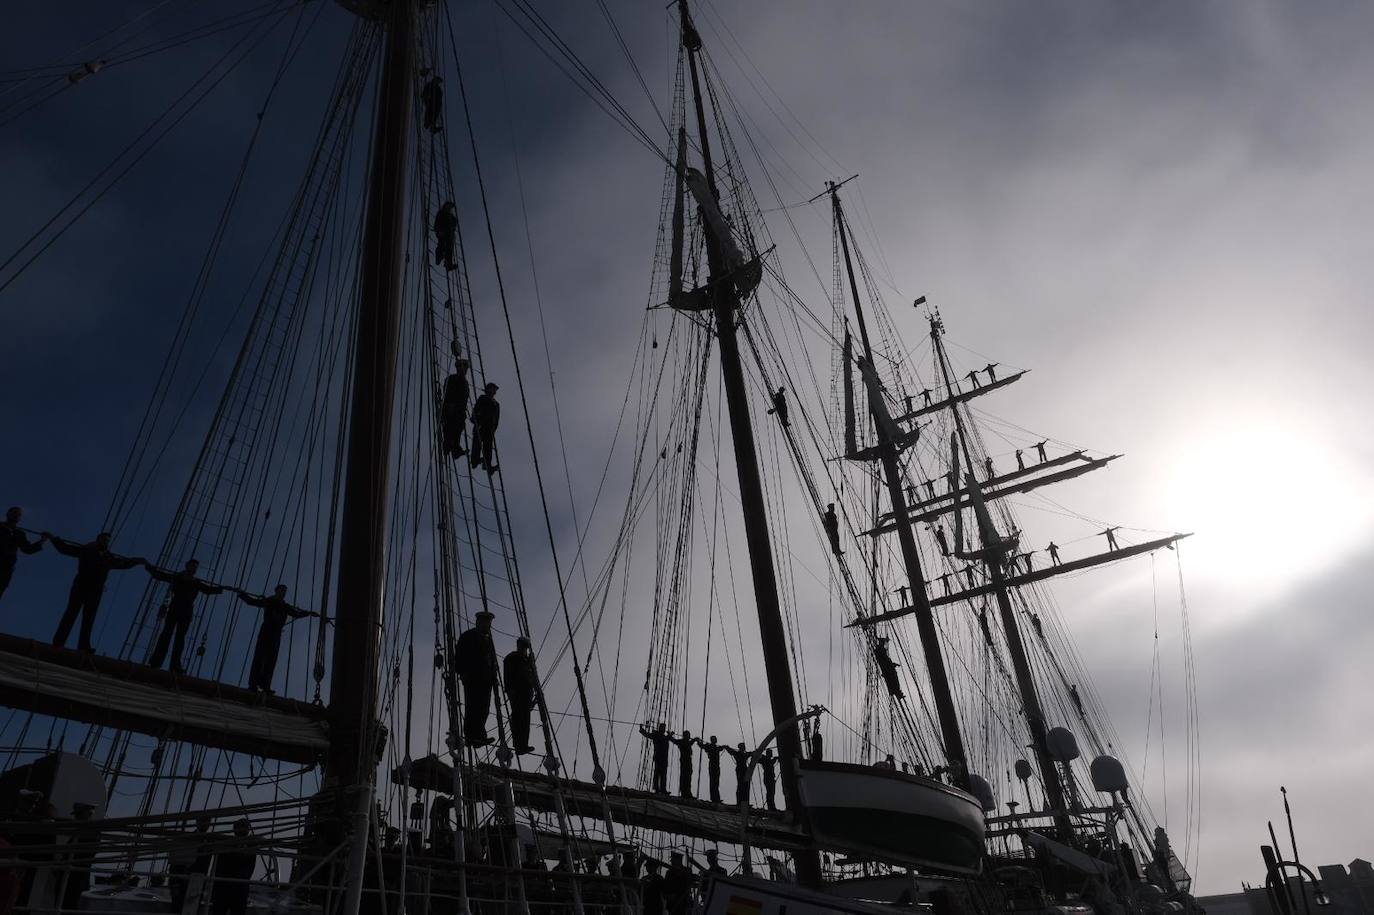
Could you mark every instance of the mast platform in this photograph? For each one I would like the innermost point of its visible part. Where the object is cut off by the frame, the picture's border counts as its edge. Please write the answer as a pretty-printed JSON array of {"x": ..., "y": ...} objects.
[
  {"x": 1028, "y": 578},
  {"x": 38, "y": 677}
]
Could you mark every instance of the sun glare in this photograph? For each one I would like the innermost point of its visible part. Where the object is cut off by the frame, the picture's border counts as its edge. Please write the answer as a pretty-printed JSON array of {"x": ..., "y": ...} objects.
[{"x": 1269, "y": 503}]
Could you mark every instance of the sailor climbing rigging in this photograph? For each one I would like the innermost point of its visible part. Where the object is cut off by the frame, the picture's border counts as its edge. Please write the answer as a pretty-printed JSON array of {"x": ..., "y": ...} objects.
[
  {"x": 486, "y": 416},
  {"x": 432, "y": 101},
  {"x": 446, "y": 235},
  {"x": 521, "y": 683},
  {"x": 474, "y": 658},
  {"x": 888, "y": 668},
  {"x": 831, "y": 522},
  {"x": 453, "y": 411},
  {"x": 780, "y": 407}
]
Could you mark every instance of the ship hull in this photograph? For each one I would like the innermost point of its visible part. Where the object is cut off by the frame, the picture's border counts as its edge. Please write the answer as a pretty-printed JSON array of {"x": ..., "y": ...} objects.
[{"x": 892, "y": 816}]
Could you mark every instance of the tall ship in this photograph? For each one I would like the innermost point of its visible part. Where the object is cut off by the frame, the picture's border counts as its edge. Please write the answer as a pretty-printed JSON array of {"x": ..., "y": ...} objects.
[{"x": 789, "y": 648}]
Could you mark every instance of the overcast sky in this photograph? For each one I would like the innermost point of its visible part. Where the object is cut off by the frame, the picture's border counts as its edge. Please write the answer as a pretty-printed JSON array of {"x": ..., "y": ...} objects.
[{"x": 1163, "y": 210}]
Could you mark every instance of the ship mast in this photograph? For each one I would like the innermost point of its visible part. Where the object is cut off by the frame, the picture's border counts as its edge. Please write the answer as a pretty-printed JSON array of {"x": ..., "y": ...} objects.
[
  {"x": 911, "y": 559},
  {"x": 354, "y": 731},
  {"x": 994, "y": 553},
  {"x": 725, "y": 300}
]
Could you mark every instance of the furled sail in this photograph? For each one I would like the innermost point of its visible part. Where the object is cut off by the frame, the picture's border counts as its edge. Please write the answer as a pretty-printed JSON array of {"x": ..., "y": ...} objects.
[
  {"x": 675, "y": 263},
  {"x": 851, "y": 440}
]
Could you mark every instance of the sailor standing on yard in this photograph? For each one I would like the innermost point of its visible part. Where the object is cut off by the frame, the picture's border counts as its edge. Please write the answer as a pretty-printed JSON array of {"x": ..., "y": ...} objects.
[
  {"x": 94, "y": 563},
  {"x": 521, "y": 682},
  {"x": 684, "y": 762},
  {"x": 768, "y": 763},
  {"x": 13, "y": 541},
  {"x": 186, "y": 587},
  {"x": 276, "y": 613},
  {"x": 712, "y": 751},
  {"x": 474, "y": 657},
  {"x": 741, "y": 758},
  {"x": 486, "y": 416},
  {"x": 658, "y": 738}
]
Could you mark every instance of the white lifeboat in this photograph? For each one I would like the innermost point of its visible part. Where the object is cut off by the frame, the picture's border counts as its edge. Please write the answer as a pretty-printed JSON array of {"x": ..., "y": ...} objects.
[{"x": 891, "y": 816}]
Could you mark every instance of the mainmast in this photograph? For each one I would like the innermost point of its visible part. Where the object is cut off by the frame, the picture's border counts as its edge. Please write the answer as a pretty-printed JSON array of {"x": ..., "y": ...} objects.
[
  {"x": 354, "y": 734},
  {"x": 725, "y": 300},
  {"x": 994, "y": 551},
  {"x": 911, "y": 559}
]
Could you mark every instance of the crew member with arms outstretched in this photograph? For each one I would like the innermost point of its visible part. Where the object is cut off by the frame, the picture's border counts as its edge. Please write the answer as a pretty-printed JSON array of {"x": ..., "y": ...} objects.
[
  {"x": 684, "y": 746},
  {"x": 185, "y": 588},
  {"x": 741, "y": 758},
  {"x": 658, "y": 739},
  {"x": 768, "y": 763},
  {"x": 14, "y": 541},
  {"x": 276, "y": 613},
  {"x": 94, "y": 563},
  {"x": 712, "y": 751}
]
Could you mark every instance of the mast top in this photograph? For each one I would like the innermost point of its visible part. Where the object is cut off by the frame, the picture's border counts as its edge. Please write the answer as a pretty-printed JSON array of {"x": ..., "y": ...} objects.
[{"x": 831, "y": 187}]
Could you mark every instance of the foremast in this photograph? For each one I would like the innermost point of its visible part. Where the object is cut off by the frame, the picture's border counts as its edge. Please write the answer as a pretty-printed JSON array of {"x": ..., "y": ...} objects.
[
  {"x": 725, "y": 300},
  {"x": 888, "y": 450}
]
